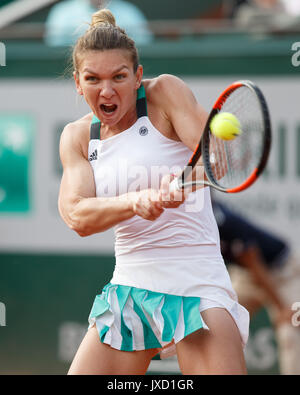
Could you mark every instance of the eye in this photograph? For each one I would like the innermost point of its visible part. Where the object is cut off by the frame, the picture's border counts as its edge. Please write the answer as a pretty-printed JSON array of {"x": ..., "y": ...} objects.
[
  {"x": 90, "y": 78},
  {"x": 120, "y": 77}
]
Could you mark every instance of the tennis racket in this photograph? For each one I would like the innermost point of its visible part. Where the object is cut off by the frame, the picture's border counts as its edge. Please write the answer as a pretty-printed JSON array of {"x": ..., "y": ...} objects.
[{"x": 232, "y": 165}]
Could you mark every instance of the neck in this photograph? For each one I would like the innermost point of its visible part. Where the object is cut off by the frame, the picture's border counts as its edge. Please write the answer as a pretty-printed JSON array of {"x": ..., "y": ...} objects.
[{"x": 125, "y": 123}]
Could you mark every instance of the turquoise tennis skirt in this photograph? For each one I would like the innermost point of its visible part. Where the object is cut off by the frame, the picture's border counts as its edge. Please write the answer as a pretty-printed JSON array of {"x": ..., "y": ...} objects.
[{"x": 131, "y": 319}]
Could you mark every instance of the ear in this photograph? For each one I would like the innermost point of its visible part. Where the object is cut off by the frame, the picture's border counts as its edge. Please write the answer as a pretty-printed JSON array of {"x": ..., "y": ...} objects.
[
  {"x": 139, "y": 76},
  {"x": 77, "y": 83}
]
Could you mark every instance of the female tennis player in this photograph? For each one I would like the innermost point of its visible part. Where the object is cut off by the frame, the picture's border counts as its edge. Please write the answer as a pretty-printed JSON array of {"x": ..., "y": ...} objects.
[{"x": 170, "y": 291}]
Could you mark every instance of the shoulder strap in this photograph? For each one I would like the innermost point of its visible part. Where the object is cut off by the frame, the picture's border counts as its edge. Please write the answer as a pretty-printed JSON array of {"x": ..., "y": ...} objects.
[
  {"x": 95, "y": 128},
  {"x": 141, "y": 102},
  {"x": 141, "y": 110}
]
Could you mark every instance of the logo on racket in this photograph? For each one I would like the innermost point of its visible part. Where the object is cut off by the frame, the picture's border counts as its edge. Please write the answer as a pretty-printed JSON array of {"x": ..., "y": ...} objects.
[{"x": 143, "y": 131}]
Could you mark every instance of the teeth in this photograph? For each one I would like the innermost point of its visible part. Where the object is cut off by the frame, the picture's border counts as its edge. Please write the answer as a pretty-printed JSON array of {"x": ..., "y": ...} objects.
[{"x": 108, "y": 107}]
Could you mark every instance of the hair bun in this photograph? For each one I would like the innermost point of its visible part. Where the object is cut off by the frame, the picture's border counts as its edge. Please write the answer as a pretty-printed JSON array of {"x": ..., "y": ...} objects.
[{"x": 103, "y": 17}]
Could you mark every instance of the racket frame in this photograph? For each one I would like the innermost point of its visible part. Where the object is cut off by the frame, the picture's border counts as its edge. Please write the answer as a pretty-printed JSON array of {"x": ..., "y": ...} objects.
[{"x": 203, "y": 146}]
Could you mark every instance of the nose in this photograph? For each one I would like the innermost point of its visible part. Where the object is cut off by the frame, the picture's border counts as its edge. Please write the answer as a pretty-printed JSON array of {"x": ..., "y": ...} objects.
[{"x": 107, "y": 90}]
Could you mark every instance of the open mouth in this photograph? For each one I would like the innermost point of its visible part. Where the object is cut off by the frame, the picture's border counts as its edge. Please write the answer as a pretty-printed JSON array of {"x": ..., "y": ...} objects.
[{"x": 108, "y": 108}]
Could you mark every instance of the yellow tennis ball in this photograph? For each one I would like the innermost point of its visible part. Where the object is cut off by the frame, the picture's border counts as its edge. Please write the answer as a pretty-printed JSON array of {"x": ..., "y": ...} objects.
[{"x": 225, "y": 126}]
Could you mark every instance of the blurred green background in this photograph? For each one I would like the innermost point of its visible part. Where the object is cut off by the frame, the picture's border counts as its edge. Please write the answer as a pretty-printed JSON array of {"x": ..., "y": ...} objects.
[{"x": 48, "y": 275}]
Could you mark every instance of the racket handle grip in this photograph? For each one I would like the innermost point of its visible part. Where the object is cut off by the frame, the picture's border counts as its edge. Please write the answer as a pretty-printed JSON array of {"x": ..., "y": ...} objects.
[{"x": 174, "y": 185}]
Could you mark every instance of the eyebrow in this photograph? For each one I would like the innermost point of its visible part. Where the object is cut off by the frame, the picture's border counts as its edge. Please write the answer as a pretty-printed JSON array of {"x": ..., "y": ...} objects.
[{"x": 86, "y": 69}]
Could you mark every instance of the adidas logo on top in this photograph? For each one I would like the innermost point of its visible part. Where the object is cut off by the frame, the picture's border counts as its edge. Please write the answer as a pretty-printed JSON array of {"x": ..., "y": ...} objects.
[{"x": 93, "y": 156}]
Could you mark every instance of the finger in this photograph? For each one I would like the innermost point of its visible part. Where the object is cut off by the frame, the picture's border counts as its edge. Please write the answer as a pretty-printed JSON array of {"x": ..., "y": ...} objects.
[
  {"x": 179, "y": 196},
  {"x": 165, "y": 187},
  {"x": 153, "y": 195},
  {"x": 172, "y": 204},
  {"x": 146, "y": 214},
  {"x": 155, "y": 211},
  {"x": 158, "y": 205},
  {"x": 150, "y": 210}
]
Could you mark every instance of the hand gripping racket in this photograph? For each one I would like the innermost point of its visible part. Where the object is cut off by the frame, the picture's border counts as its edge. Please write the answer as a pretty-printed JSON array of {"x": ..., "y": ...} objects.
[{"x": 232, "y": 165}]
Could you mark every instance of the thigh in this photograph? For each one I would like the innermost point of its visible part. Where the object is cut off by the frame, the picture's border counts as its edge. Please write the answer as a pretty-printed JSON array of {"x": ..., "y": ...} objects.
[
  {"x": 95, "y": 358},
  {"x": 215, "y": 351}
]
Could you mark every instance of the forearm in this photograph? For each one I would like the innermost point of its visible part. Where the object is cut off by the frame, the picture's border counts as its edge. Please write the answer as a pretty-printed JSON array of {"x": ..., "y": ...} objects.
[
  {"x": 253, "y": 261},
  {"x": 93, "y": 215}
]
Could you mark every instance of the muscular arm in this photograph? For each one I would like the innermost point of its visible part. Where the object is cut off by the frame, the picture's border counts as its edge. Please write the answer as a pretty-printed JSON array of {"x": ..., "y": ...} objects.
[
  {"x": 181, "y": 109},
  {"x": 189, "y": 119},
  {"x": 252, "y": 260},
  {"x": 78, "y": 205},
  {"x": 182, "y": 114}
]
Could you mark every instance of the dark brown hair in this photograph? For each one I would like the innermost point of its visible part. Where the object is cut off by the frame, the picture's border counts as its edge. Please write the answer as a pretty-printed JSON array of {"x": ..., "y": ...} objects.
[{"x": 102, "y": 35}]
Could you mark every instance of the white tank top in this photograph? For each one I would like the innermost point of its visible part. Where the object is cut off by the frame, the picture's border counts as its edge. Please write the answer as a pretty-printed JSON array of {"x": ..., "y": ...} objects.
[{"x": 179, "y": 252}]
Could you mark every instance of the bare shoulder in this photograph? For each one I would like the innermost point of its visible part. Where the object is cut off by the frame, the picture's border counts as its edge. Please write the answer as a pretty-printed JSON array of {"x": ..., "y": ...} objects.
[
  {"x": 178, "y": 111},
  {"x": 75, "y": 137},
  {"x": 169, "y": 94},
  {"x": 163, "y": 86}
]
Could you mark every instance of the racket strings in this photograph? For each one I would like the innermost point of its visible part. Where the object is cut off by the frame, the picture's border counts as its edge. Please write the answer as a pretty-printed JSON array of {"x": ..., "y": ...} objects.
[{"x": 233, "y": 161}]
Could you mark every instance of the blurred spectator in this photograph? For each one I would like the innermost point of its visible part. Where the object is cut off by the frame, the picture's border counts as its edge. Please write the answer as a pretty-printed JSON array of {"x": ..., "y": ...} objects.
[
  {"x": 292, "y": 7},
  {"x": 68, "y": 20},
  {"x": 274, "y": 14},
  {"x": 263, "y": 273},
  {"x": 232, "y": 7}
]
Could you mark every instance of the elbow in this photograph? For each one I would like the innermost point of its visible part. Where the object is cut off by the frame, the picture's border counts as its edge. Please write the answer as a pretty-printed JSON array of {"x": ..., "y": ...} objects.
[
  {"x": 83, "y": 232},
  {"x": 73, "y": 219},
  {"x": 80, "y": 228},
  {"x": 79, "y": 221},
  {"x": 76, "y": 223}
]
